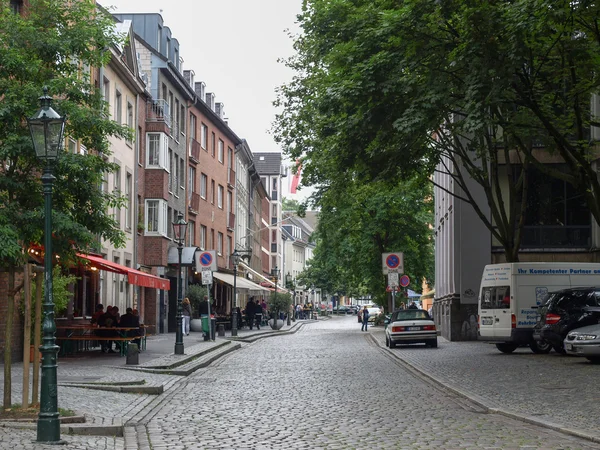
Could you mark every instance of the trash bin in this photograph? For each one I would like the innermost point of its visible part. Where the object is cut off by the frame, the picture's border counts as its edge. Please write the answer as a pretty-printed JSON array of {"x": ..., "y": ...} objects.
[{"x": 204, "y": 319}]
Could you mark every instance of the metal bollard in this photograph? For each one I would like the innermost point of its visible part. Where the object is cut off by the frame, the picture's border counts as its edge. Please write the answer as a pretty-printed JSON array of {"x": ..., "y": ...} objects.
[
  {"x": 133, "y": 354},
  {"x": 221, "y": 329}
]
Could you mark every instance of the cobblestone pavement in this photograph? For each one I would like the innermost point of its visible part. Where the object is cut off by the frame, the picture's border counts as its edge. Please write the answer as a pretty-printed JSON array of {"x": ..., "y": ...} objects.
[
  {"x": 329, "y": 386},
  {"x": 552, "y": 388}
]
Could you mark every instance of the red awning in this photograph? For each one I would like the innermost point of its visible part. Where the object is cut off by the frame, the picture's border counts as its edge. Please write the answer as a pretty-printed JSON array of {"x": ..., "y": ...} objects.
[{"x": 133, "y": 276}]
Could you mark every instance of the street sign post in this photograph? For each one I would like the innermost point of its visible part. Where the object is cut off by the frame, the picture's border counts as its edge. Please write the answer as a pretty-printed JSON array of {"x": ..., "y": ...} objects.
[
  {"x": 206, "y": 260},
  {"x": 392, "y": 262},
  {"x": 207, "y": 276},
  {"x": 404, "y": 280}
]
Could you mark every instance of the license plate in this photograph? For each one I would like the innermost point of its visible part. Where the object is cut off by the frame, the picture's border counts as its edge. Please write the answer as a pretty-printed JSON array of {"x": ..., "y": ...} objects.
[
  {"x": 487, "y": 321},
  {"x": 413, "y": 328},
  {"x": 568, "y": 347}
]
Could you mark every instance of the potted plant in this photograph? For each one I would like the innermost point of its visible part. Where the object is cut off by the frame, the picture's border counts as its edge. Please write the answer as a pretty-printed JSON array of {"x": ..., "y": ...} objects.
[
  {"x": 196, "y": 294},
  {"x": 278, "y": 302}
]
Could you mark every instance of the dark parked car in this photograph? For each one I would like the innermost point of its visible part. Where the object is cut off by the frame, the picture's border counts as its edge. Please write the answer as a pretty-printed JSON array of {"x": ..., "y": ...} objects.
[{"x": 564, "y": 311}]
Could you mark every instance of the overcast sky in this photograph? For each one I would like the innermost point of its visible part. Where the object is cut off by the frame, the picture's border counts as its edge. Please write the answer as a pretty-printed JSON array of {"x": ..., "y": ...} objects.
[{"x": 233, "y": 46}]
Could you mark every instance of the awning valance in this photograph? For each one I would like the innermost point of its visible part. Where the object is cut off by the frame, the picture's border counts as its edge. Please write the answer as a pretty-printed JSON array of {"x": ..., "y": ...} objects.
[
  {"x": 187, "y": 255},
  {"x": 241, "y": 282},
  {"x": 134, "y": 276}
]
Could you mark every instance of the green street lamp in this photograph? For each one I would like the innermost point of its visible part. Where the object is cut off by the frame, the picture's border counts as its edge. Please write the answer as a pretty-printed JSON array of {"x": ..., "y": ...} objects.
[
  {"x": 275, "y": 275},
  {"x": 288, "y": 285},
  {"x": 47, "y": 129},
  {"x": 237, "y": 255},
  {"x": 179, "y": 230}
]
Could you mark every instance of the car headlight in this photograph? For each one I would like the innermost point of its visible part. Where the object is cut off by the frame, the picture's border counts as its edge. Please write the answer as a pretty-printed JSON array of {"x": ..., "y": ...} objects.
[{"x": 585, "y": 337}]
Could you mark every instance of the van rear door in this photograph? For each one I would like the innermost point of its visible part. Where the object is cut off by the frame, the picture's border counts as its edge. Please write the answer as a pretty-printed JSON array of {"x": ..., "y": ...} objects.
[{"x": 495, "y": 317}]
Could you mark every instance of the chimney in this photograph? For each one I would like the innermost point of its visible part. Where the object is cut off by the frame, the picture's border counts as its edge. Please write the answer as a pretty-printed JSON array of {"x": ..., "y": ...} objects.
[
  {"x": 220, "y": 110},
  {"x": 210, "y": 100},
  {"x": 199, "y": 88}
]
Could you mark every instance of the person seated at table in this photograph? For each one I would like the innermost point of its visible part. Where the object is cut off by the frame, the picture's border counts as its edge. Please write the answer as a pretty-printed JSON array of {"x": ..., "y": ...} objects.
[
  {"x": 99, "y": 311},
  {"x": 105, "y": 321},
  {"x": 129, "y": 320}
]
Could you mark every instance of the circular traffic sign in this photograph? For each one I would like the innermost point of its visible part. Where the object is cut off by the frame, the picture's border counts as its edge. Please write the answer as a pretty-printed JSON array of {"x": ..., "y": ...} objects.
[
  {"x": 404, "y": 280},
  {"x": 392, "y": 261},
  {"x": 206, "y": 259}
]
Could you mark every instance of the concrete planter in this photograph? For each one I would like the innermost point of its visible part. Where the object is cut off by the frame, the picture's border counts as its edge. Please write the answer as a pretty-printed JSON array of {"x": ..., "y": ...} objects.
[
  {"x": 278, "y": 325},
  {"x": 196, "y": 325}
]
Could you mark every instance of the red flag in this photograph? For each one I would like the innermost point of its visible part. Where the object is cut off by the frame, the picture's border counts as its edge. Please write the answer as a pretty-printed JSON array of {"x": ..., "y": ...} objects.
[{"x": 296, "y": 178}]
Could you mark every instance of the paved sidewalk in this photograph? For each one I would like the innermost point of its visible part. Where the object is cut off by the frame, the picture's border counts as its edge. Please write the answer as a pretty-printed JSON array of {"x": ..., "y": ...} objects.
[{"x": 108, "y": 393}]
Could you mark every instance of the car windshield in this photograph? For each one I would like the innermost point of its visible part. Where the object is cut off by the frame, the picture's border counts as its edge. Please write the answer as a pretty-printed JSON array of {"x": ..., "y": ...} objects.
[{"x": 411, "y": 314}]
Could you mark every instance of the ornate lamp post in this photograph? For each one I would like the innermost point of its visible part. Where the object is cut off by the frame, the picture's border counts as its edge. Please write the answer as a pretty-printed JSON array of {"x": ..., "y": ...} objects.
[
  {"x": 47, "y": 128},
  {"x": 237, "y": 255},
  {"x": 179, "y": 230},
  {"x": 312, "y": 291},
  {"x": 275, "y": 275},
  {"x": 288, "y": 285}
]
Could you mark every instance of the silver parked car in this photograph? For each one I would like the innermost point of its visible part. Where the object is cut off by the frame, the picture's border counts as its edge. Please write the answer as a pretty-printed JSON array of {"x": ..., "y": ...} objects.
[{"x": 584, "y": 341}]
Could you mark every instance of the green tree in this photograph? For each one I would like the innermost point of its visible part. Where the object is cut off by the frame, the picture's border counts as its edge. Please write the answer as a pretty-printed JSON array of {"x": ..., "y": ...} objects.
[
  {"x": 357, "y": 223},
  {"x": 55, "y": 44},
  {"x": 387, "y": 89}
]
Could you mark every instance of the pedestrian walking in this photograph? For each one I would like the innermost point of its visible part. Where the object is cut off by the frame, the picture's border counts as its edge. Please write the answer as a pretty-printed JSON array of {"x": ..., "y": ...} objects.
[
  {"x": 258, "y": 313},
  {"x": 365, "y": 319},
  {"x": 250, "y": 311},
  {"x": 187, "y": 315}
]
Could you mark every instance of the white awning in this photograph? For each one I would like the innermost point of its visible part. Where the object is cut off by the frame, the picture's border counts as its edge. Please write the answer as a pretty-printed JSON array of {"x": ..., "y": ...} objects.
[
  {"x": 263, "y": 278},
  {"x": 241, "y": 282}
]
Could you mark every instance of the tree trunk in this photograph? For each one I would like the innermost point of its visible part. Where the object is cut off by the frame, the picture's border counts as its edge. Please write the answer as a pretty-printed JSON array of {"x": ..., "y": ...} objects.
[
  {"x": 26, "y": 333},
  {"x": 8, "y": 339}
]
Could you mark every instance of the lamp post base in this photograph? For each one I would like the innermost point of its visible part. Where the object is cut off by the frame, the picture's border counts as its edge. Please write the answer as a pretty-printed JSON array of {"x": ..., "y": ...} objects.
[{"x": 179, "y": 348}]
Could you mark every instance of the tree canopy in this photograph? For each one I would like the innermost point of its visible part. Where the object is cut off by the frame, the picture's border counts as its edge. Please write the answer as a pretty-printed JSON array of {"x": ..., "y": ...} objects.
[
  {"x": 479, "y": 90},
  {"x": 55, "y": 44}
]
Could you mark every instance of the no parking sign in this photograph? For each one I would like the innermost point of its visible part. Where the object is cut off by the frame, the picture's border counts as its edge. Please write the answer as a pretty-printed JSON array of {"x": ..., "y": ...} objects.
[
  {"x": 206, "y": 260},
  {"x": 392, "y": 262}
]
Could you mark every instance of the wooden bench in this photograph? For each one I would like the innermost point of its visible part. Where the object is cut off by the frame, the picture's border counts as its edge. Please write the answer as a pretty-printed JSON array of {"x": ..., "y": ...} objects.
[{"x": 91, "y": 338}]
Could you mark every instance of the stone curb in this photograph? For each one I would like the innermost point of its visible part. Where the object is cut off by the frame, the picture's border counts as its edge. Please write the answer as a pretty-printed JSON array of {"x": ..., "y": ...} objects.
[
  {"x": 483, "y": 403},
  {"x": 150, "y": 390},
  {"x": 294, "y": 328}
]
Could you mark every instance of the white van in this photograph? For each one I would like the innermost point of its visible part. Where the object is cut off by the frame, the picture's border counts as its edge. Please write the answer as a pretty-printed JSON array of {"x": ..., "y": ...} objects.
[{"x": 510, "y": 294}]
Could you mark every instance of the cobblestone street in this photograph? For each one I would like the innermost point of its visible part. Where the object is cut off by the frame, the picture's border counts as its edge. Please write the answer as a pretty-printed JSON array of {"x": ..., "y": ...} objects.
[{"x": 328, "y": 386}]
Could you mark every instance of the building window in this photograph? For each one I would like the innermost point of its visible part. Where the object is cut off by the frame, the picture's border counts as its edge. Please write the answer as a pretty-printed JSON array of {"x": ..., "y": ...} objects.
[
  {"x": 72, "y": 146},
  {"x": 202, "y": 237},
  {"x": 212, "y": 191},
  {"x": 117, "y": 190},
  {"x": 170, "y": 170},
  {"x": 220, "y": 197},
  {"x": 191, "y": 180},
  {"x": 169, "y": 221},
  {"x": 107, "y": 92},
  {"x": 229, "y": 158},
  {"x": 220, "y": 243},
  {"x": 156, "y": 153},
  {"x": 180, "y": 176},
  {"x": 221, "y": 151},
  {"x": 192, "y": 126},
  {"x": 129, "y": 120},
  {"x": 203, "y": 135},
  {"x": 182, "y": 124},
  {"x": 156, "y": 217},
  {"x": 203, "y": 181},
  {"x": 191, "y": 234},
  {"x": 118, "y": 107},
  {"x": 16, "y": 6},
  {"x": 212, "y": 239},
  {"x": 140, "y": 149},
  {"x": 212, "y": 145},
  {"x": 129, "y": 197}
]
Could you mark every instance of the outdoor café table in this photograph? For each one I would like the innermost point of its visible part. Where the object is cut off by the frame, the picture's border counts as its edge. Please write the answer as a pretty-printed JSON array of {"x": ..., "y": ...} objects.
[{"x": 86, "y": 333}]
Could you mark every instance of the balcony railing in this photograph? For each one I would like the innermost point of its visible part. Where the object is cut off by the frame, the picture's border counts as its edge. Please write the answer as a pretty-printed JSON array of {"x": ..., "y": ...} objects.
[
  {"x": 231, "y": 221},
  {"x": 194, "y": 203},
  {"x": 231, "y": 177},
  {"x": 556, "y": 236},
  {"x": 158, "y": 111},
  {"x": 194, "y": 150}
]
